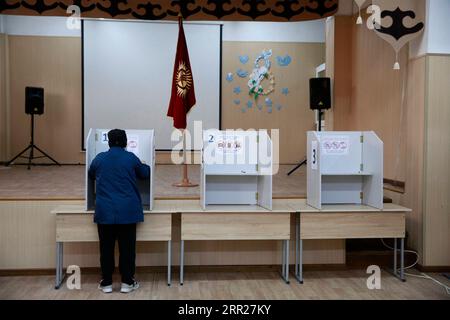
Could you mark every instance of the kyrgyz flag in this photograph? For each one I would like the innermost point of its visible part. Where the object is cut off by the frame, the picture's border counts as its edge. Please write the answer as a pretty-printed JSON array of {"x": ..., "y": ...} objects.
[{"x": 182, "y": 98}]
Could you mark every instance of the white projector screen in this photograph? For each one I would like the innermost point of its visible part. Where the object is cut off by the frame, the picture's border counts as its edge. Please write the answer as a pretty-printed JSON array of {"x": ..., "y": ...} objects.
[{"x": 128, "y": 69}]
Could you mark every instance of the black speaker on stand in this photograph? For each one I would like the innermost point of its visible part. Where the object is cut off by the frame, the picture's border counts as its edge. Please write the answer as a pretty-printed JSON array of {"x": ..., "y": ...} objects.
[
  {"x": 34, "y": 104},
  {"x": 319, "y": 99}
]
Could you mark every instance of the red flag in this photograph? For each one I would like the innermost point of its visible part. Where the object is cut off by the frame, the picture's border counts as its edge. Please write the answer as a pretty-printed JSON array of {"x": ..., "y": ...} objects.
[{"x": 182, "y": 98}]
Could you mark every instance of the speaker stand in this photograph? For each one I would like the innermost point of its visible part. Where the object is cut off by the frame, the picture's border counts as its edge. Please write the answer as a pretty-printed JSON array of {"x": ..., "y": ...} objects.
[
  {"x": 319, "y": 115},
  {"x": 32, "y": 147}
]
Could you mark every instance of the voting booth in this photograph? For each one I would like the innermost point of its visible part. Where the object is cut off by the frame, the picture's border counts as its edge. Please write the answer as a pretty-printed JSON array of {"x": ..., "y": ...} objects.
[
  {"x": 141, "y": 143},
  {"x": 344, "y": 168},
  {"x": 236, "y": 168}
]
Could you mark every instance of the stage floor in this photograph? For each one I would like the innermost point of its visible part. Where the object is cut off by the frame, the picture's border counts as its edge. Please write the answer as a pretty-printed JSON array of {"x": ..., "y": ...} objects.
[{"x": 67, "y": 182}]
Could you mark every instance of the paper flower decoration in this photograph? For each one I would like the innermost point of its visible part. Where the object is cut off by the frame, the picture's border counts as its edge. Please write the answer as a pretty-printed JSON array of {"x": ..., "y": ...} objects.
[
  {"x": 260, "y": 73},
  {"x": 249, "y": 104},
  {"x": 285, "y": 91},
  {"x": 229, "y": 77},
  {"x": 237, "y": 90}
]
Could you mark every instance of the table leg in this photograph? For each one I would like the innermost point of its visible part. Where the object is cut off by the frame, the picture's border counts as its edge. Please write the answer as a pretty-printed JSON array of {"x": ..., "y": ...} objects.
[
  {"x": 283, "y": 259},
  {"x": 59, "y": 265},
  {"x": 298, "y": 252},
  {"x": 297, "y": 240},
  {"x": 402, "y": 259},
  {"x": 300, "y": 265},
  {"x": 286, "y": 272},
  {"x": 181, "y": 262},
  {"x": 395, "y": 257},
  {"x": 169, "y": 263}
]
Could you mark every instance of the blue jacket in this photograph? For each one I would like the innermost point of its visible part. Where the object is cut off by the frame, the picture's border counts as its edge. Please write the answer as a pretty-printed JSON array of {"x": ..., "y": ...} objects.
[{"x": 117, "y": 196}]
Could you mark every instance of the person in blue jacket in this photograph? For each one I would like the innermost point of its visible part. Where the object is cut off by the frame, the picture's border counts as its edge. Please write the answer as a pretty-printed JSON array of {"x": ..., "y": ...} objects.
[{"x": 118, "y": 208}]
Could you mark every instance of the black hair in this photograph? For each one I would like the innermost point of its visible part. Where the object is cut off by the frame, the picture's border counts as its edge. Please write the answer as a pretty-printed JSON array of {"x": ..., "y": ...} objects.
[{"x": 117, "y": 138}]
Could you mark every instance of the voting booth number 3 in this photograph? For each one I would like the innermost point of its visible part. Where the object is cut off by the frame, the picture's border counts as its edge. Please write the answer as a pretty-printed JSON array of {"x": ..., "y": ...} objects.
[{"x": 225, "y": 309}]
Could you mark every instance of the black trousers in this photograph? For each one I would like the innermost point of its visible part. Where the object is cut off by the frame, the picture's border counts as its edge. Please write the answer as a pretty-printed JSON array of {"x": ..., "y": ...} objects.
[{"x": 125, "y": 234}]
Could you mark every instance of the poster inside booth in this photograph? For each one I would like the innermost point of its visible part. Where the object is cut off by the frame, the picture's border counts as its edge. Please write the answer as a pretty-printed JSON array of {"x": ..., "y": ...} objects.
[{"x": 139, "y": 142}]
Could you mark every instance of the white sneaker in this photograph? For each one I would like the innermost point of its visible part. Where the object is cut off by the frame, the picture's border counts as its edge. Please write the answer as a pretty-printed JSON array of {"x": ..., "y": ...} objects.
[
  {"x": 127, "y": 288},
  {"x": 105, "y": 289}
]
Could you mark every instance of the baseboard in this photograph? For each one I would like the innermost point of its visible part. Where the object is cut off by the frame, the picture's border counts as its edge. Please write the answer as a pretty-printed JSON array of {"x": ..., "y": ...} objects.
[
  {"x": 433, "y": 269},
  {"x": 176, "y": 269}
]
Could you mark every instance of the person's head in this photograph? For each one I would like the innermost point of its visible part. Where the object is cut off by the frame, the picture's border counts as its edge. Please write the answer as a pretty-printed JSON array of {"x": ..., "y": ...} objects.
[{"x": 117, "y": 138}]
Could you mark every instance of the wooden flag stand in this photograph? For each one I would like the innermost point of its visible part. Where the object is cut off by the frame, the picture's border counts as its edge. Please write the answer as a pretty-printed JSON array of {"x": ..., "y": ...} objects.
[{"x": 185, "y": 183}]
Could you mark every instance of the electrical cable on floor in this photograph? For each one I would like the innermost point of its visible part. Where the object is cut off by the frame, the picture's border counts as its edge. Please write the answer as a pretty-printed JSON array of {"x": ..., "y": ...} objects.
[
  {"x": 410, "y": 251},
  {"x": 422, "y": 275}
]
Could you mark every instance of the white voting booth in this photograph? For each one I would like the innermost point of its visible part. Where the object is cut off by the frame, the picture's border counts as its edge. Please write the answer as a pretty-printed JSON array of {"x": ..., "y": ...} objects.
[
  {"x": 141, "y": 143},
  {"x": 236, "y": 168},
  {"x": 344, "y": 168}
]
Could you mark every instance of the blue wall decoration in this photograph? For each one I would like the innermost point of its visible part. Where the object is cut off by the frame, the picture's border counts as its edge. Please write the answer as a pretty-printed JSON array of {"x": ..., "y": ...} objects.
[
  {"x": 259, "y": 107},
  {"x": 279, "y": 107},
  {"x": 249, "y": 104},
  {"x": 244, "y": 110},
  {"x": 243, "y": 59},
  {"x": 237, "y": 102},
  {"x": 229, "y": 77},
  {"x": 237, "y": 90},
  {"x": 268, "y": 102},
  {"x": 285, "y": 91},
  {"x": 284, "y": 61},
  {"x": 269, "y": 110},
  {"x": 242, "y": 73}
]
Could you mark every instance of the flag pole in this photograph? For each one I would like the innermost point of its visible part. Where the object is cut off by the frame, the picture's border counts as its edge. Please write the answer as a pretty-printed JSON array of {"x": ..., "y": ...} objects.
[{"x": 185, "y": 183}]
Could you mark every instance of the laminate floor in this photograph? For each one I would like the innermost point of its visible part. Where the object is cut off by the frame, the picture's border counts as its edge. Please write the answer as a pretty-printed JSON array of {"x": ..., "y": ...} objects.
[{"x": 345, "y": 284}]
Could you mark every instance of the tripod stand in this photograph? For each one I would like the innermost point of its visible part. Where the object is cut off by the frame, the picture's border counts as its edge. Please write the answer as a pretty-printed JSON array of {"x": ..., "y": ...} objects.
[
  {"x": 319, "y": 115},
  {"x": 31, "y": 147}
]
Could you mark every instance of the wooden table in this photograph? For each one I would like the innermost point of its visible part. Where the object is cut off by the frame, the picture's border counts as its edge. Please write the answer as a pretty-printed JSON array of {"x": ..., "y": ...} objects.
[
  {"x": 236, "y": 222},
  {"x": 244, "y": 222},
  {"x": 349, "y": 222},
  {"x": 75, "y": 224}
]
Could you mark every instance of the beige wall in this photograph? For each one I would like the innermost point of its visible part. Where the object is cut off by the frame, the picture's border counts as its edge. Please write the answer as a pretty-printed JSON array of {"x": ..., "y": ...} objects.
[
  {"x": 409, "y": 110},
  {"x": 55, "y": 64},
  {"x": 295, "y": 118},
  {"x": 437, "y": 163}
]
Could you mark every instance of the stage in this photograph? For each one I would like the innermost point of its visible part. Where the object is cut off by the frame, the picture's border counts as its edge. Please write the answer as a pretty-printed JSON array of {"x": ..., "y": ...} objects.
[{"x": 67, "y": 183}]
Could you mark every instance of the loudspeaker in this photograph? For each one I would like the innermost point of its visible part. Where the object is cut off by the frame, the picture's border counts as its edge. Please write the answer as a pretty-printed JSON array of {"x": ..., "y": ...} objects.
[
  {"x": 34, "y": 100},
  {"x": 320, "y": 93}
]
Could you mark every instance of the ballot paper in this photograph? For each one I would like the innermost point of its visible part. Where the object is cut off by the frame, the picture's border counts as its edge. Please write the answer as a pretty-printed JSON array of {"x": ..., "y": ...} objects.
[{"x": 133, "y": 144}]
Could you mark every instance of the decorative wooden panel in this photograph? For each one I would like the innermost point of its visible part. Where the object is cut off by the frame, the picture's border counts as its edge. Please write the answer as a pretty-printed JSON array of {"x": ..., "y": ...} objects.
[{"x": 231, "y": 10}]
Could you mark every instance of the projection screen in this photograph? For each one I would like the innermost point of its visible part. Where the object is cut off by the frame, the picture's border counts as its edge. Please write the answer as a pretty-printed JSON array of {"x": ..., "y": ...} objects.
[{"x": 128, "y": 69}]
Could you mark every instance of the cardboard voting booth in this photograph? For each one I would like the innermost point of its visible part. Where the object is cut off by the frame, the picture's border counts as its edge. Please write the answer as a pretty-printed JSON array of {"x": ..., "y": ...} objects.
[
  {"x": 236, "y": 168},
  {"x": 344, "y": 168},
  {"x": 141, "y": 143}
]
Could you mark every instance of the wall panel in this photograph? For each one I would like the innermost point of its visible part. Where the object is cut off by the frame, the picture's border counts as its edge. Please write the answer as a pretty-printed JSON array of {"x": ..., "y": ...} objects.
[{"x": 53, "y": 63}]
